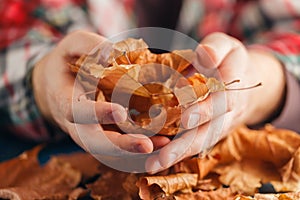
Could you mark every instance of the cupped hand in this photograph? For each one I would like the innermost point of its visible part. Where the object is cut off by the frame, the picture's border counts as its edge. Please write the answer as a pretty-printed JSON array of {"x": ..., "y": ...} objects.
[
  {"x": 56, "y": 93},
  {"x": 210, "y": 120}
]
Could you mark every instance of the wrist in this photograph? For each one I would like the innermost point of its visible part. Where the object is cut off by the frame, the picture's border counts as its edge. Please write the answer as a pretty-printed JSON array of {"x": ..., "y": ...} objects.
[
  {"x": 266, "y": 101},
  {"x": 40, "y": 91}
]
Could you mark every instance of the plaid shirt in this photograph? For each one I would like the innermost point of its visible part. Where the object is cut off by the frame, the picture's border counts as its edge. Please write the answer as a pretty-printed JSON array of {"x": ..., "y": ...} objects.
[{"x": 29, "y": 28}]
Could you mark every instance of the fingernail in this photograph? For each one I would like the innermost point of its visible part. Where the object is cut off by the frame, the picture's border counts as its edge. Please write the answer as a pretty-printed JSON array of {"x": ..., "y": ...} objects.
[{"x": 193, "y": 121}]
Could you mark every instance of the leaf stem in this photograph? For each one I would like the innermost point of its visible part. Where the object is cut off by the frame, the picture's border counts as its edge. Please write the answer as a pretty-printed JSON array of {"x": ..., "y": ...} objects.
[
  {"x": 125, "y": 54},
  {"x": 244, "y": 88},
  {"x": 231, "y": 82}
]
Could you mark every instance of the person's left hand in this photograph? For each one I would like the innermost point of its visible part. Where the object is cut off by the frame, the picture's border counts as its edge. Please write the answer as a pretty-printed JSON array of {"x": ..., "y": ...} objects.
[{"x": 210, "y": 120}]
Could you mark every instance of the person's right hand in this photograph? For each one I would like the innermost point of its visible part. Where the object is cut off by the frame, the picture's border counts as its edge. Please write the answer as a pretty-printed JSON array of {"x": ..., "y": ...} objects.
[
  {"x": 221, "y": 112},
  {"x": 55, "y": 88}
]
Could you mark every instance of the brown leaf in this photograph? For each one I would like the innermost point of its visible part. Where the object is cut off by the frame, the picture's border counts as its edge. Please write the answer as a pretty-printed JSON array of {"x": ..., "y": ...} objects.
[
  {"x": 122, "y": 47},
  {"x": 285, "y": 196},
  {"x": 201, "y": 166},
  {"x": 24, "y": 178},
  {"x": 83, "y": 162},
  {"x": 167, "y": 185},
  {"x": 18, "y": 170},
  {"x": 247, "y": 175},
  {"x": 280, "y": 196},
  {"x": 219, "y": 194},
  {"x": 290, "y": 173},
  {"x": 114, "y": 184}
]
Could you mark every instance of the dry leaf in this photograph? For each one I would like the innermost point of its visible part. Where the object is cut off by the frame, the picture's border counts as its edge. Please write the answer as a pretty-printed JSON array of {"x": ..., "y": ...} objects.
[
  {"x": 198, "y": 165},
  {"x": 152, "y": 187},
  {"x": 19, "y": 169},
  {"x": 284, "y": 196},
  {"x": 247, "y": 175},
  {"x": 219, "y": 194},
  {"x": 114, "y": 184},
  {"x": 88, "y": 166},
  {"x": 290, "y": 175},
  {"x": 124, "y": 46},
  {"x": 23, "y": 178}
]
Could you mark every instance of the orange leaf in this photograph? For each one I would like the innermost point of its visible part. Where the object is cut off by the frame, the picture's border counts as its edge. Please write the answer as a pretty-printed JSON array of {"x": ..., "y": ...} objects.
[{"x": 152, "y": 187}]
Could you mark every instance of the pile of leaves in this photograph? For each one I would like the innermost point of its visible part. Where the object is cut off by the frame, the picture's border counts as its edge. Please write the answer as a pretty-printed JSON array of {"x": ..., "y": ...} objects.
[
  {"x": 234, "y": 169},
  {"x": 153, "y": 87}
]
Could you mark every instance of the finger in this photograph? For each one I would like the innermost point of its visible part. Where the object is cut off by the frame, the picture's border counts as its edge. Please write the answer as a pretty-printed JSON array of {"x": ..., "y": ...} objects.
[
  {"x": 153, "y": 165},
  {"x": 85, "y": 43},
  {"x": 204, "y": 111},
  {"x": 95, "y": 140},
  {"x": 190, "y": 143},
  {"x": 87, "y": 111},
  {"x": 159, "y": 141},
  {"x": 214, "y": 48},
  {"x": 75, "y": 107},
  {"x": 173, "y": 152},
  {"x": 135, "y": 143},
  {"x": 182, "y": 147}
]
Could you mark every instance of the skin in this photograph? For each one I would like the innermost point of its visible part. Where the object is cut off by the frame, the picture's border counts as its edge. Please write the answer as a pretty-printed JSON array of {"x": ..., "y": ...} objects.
[
  {"x": 231, "y": 60},
  {"x": 53, "y": 85},
  {"x": 219, "y": 113}
]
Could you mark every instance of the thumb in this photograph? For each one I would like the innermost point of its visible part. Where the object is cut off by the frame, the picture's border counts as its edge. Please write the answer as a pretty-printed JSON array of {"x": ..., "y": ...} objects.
[
  {"x": 214, "y": 48},
  {"x": 87, "y": 111},
  {"x": 78, "y": 43}
]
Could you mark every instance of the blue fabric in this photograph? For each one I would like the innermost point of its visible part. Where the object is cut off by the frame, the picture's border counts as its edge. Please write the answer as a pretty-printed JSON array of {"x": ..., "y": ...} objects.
[{"x": 11, "y": 146}]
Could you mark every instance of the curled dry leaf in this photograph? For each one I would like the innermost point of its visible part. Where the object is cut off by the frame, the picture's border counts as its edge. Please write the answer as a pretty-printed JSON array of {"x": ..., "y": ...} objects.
[
  {"x": 152, "y": 86},
  {"x": 152, "y": 187}
]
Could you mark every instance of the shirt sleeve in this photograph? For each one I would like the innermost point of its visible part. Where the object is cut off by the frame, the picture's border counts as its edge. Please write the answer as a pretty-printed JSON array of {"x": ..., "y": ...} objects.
[
  {"x": 19, "y": 113},
  {"x": 290, "y": 115},
  {"x": 285, "y": 46}
]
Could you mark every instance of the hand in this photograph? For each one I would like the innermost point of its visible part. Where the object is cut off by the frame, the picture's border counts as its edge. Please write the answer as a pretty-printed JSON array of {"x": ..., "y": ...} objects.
[
  {"x": 55, "y": 88},
  {"x": 212, "y": 119}
]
